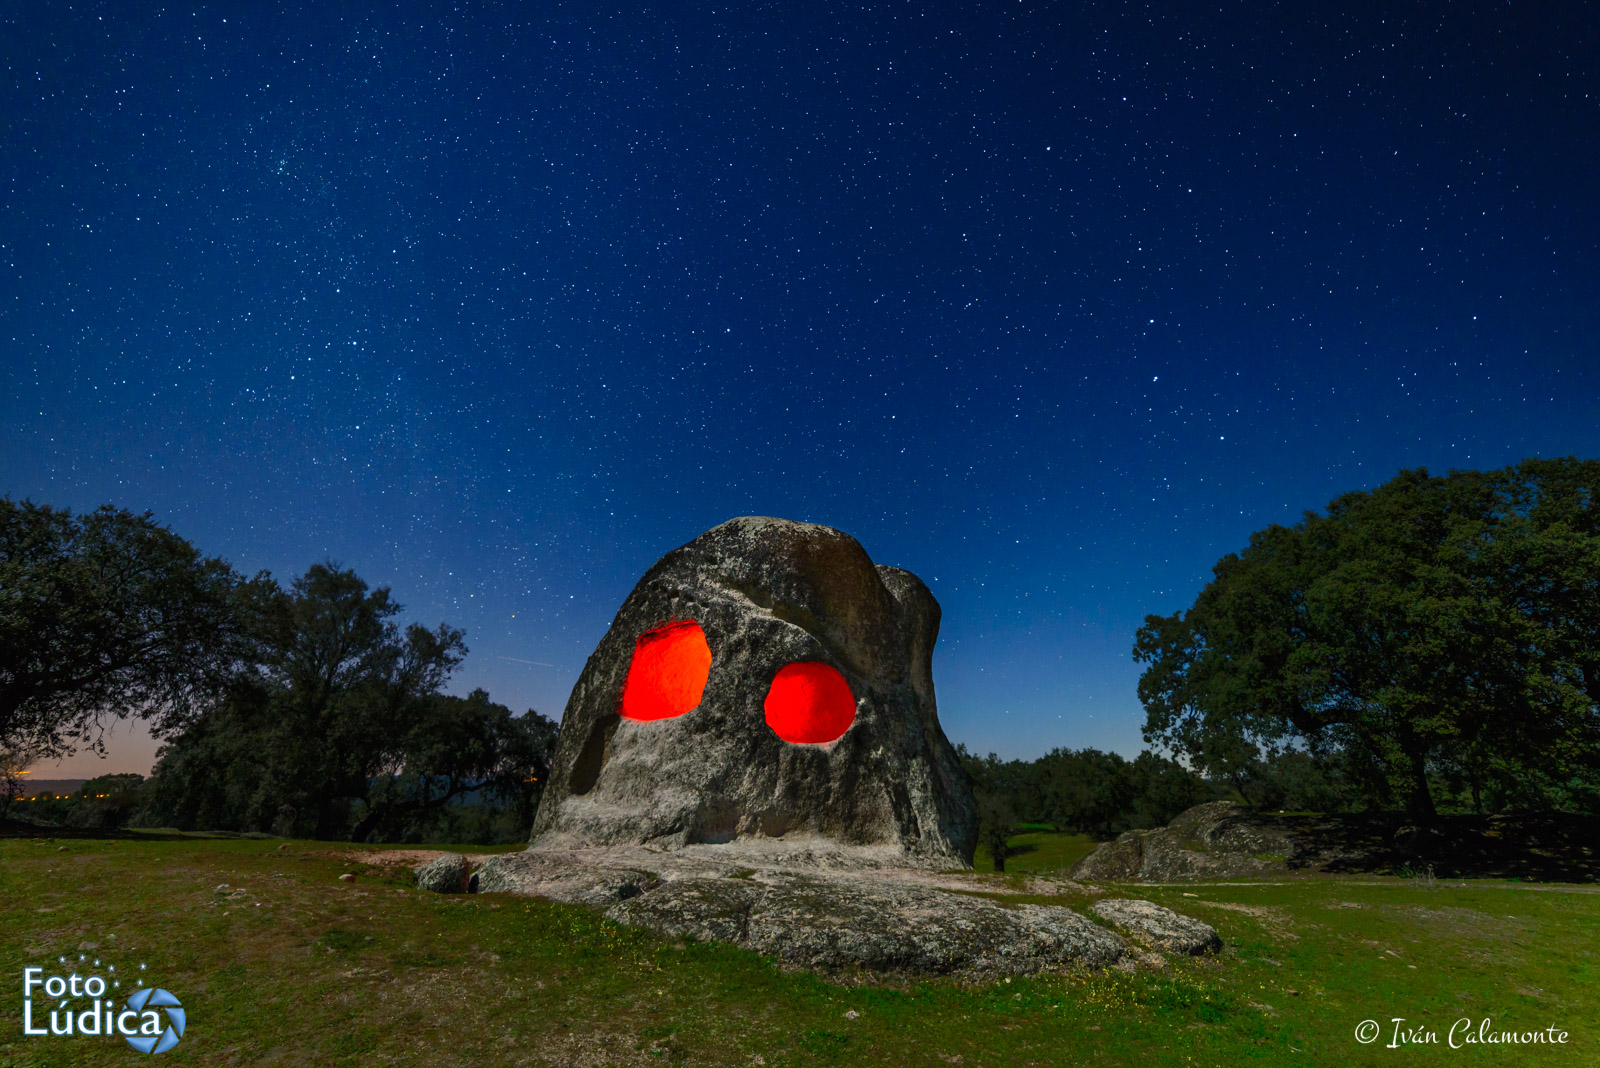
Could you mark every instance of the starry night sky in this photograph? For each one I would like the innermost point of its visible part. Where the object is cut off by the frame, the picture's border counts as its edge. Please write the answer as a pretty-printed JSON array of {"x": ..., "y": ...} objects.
[{"x": 1051, "y": 304}]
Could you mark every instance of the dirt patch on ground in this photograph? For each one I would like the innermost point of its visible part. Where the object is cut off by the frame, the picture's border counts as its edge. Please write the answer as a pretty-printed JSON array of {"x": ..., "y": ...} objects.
[
  {"x": 1480, "y": 937},
  {"x": 1274, "y": 918},
  {"x": 1264, "y": 913},
  {"x": 391, "y": 858}
]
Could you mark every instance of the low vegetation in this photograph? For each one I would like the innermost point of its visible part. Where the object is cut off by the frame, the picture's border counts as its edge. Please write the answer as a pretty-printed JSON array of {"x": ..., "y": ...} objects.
[{"x": 279, "y": 962}]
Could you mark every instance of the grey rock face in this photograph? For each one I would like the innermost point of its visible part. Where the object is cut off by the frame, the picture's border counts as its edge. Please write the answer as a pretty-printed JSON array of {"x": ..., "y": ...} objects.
[
  {"x": 446, "y": 875},
  {"x": 828, "y": 925},
  {"x": 1215, "y": 840},
  {"x": 1159, "y": 927},
  {"x": 817, "y": 918},
  {"x": 767, "y": 593}
]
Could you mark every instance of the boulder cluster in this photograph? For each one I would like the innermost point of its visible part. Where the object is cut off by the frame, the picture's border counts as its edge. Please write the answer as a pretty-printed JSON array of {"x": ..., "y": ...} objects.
[{"x": 753, "y": 754}]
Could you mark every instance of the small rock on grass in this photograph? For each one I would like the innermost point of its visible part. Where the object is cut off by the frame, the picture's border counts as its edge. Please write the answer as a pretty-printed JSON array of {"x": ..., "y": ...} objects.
[
  {"x": 348, "y": 877},
  {"x": 1160, "y": 927},
  {"x": 446, "y": 875}
]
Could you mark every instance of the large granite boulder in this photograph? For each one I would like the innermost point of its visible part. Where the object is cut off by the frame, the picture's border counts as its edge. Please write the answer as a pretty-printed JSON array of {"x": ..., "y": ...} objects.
[
  {"x": 765, "y": 688},
  {"x": 1216, "y": 840}
]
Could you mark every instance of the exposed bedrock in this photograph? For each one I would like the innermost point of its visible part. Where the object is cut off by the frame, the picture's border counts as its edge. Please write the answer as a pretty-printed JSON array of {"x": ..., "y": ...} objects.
[
  {"x": 1215, "y": 840},
  {"x": 449, "y": 874},
  {"x": 1157, "y": 926},
  {"x": 823, "y": 919}
]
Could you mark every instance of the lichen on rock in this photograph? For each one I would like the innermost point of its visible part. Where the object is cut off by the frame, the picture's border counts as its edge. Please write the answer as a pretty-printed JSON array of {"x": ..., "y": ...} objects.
[
  {"x": 812, "y": 917},
  {"x": 1219, "y": 839}
]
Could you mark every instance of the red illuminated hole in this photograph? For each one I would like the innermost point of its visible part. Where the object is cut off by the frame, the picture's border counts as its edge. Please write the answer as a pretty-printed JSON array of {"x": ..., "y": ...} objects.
[
  {"x": 809, "y": 704},
  {"x": 668, "y": 673}
]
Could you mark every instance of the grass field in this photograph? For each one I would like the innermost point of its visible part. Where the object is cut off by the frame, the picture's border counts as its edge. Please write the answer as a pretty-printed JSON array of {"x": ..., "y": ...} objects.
[
  {"x": 1039, "y": 850},
  {"x": 302, "y": 969}
]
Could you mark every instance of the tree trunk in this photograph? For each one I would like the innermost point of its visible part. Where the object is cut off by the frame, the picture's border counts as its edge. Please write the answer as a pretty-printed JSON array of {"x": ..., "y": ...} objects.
[{"x": 1419, "y": 803}]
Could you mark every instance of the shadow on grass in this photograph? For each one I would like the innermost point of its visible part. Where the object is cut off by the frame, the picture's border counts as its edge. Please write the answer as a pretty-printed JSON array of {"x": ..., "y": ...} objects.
[{"x": 1531, "y": 846}]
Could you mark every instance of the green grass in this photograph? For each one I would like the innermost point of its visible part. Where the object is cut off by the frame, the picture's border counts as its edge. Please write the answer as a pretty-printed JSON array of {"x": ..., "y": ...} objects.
[
  {"x": 1041, "y": 850},
  {"x": 303, "y": 969}
]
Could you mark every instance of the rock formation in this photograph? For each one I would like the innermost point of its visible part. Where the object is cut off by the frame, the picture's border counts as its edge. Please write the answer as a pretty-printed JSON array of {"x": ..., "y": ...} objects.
[
  {"x": 753, "y": 754},
  {"x": 766, "y": 685},
  {"x": 448, "y": 874},
  {"x": 1216, "y": 840},
  {"x": 900, "y": 920},
  {"x": 1157, "y": 926}
]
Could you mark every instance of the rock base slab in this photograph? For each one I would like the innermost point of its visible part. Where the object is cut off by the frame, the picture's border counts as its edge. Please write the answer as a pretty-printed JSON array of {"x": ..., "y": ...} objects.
[{"x": 879, "y": 919}]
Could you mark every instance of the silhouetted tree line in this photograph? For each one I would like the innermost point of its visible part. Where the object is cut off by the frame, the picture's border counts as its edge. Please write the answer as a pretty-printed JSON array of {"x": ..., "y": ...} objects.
[
  {"x": 1433, "y": 643},
  {"x": 1100, "y": 794},
  {"x": 1083, "y": 791},
  {"x": 305, "y": 711}
]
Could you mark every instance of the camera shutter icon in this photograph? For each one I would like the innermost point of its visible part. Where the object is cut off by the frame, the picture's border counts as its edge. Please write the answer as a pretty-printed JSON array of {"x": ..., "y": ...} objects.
[{"x": 156, "y": 998}]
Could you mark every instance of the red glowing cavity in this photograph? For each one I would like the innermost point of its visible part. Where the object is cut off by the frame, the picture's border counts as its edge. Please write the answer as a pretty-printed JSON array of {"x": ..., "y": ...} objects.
[
  {"x": 668, "y": 674},
  {"x": 809, "y": 704}
]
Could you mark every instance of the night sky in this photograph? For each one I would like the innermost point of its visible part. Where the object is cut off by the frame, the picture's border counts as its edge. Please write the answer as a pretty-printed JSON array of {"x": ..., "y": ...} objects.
[{"x": 1051, "y": 304}]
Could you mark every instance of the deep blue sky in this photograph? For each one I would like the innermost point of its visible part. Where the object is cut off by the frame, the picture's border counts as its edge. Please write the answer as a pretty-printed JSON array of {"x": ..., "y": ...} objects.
[{"x": 1051, "y": 304}]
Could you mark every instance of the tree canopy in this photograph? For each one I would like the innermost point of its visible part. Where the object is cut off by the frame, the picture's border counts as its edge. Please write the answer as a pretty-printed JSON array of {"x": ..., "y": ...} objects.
[
  {"x": 1084, "y": 790},
  {"x": 343, "y": 729},
  {"x": 1437, "y": 629},
  {"x": 109, "y": 614}
]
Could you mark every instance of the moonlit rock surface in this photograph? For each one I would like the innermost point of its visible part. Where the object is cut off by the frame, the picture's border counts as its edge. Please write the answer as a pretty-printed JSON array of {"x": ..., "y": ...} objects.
[
  {"x": 811, "y": 915},
  {"x": 1158, "y": 926},
  {"x": 1216, "y": 840},
  {"x": 445, "y": 875},
  {"x": 716, "y": 775}
]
